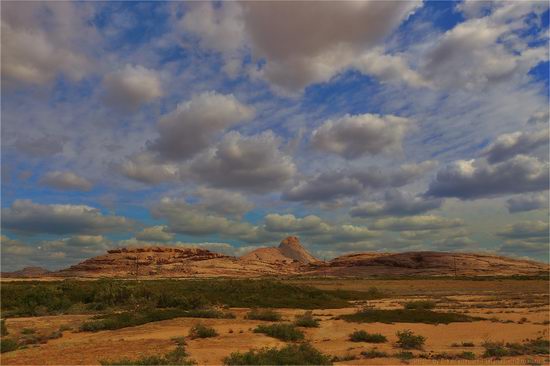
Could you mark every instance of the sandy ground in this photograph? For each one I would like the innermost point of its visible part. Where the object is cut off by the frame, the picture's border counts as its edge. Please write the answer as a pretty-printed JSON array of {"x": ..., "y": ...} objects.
[{"x": 515, "y": 316}]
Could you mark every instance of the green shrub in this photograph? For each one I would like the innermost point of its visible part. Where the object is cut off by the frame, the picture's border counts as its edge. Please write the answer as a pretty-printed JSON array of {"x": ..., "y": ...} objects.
[
  {"x": 466, "y": 355},
  {"x": 362, "y": 336},
  {"x": 537, "y": 346},
  {"x": 374, "y": 353},
  {"x": 263, "y": 314},
  {"x": 7, "y": 345},
  {"x": 346, "y": 357},
  {"x": 55, "y": 297},
  {"x": 175, "y": 357},
  {"x": 284, "y": 331},
  {"x": 28, "y": 331},
  {"x": 404, "y": 355},
  {"x": 292, "y": 354},
  {"x": 405, "y": 316},
  {"x": 494, "y": 349},
  {"x": 131, "y": 319},
  {"x": 420, "y": 305},
  {"x": 3, "y": 328},
  {"x": 463, "y": 344},
  {"x": 306, "y": 320},
  {"x": 406, "y": 339},
  {"x": 202, "y": 331}
]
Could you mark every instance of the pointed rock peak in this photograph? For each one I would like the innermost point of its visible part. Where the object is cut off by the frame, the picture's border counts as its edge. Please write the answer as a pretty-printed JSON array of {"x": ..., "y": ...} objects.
[{"x": 292, "y": 248}]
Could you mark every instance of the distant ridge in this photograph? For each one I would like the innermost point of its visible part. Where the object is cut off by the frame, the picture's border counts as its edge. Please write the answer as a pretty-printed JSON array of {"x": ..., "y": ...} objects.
[{"x": 289, "y": 258}]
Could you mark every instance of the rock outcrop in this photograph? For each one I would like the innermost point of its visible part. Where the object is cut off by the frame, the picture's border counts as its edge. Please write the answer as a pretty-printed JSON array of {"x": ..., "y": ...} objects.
[
  {"x": 27, "y": 272},
  {"x": 429, "y": 264},
  {"x": 289, "y": 258},
  {"x": 289, "y": 251}
]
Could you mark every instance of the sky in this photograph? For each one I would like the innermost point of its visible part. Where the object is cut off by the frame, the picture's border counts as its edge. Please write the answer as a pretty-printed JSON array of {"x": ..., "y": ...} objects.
[{"x": 357, "y": 126}]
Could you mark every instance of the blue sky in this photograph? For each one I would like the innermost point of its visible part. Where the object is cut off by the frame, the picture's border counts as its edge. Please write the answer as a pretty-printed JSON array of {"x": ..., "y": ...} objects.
[{"x": 358, "y": 126}]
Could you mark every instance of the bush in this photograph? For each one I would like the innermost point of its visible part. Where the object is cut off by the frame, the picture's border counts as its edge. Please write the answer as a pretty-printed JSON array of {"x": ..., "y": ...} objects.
[
  {"x": 263, "y": 314},
  {"x": 8, "y": 345},
  {"x": 362, "y": 336},
  {"x": 537, "y": 346},
  {"x": 284, "y": 332},
  {"x": 404, "y": 355},
  {"x": 374, "y": 353},
  {"x": 293, "y": 354},
  {"x": 466, "y": 355},
  {"x": 175, "y": 357},
  {"x": 202, "y": 331},
  {"x": 408, "y": 340},
  {"x": 34, "y": 297},
  {"x": 463, "y": 344},
  {"x": 405, "y": 316},
  {"x": 346, "y": 357},
  {"x": 306, "y": 320},
  {"x": 420, "y": 305},
  {"x": 132, "y": 319},
  {"x": 28, "y": 331},
  {"x": 3, "y": 328},
  {"x": 494, "y": 349}
]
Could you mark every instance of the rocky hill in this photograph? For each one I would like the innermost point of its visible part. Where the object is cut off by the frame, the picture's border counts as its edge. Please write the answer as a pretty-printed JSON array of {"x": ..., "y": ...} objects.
[
  {"x": 428, "y": 264},
  {"x": 289, "y": 258},
  {"x": 27, "y": 272},
  {"x": 290, "y": 250}
]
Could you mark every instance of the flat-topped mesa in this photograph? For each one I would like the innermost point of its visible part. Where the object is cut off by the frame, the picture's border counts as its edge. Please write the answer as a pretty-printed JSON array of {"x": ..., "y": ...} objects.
[
  {"x": 292, "y": 248},
  {"x": 178, "y": 252}
]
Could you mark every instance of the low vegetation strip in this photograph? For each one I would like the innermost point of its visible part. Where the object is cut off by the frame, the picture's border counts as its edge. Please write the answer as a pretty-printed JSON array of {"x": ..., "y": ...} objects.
[
  {"x": 264, "y": 314},
  {"x": 283, "y": 331},
  {"x": 406, "y": 316},
  {"x": 293, "y": 354},
  {"x": 72, "y": 296},
  {"x": 132, "y": 319}
]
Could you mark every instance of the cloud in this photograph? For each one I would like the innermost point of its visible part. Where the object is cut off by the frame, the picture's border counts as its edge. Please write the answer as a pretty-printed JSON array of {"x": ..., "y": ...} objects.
[
  {"x": 509, "y": 145},
  {"x": 526, "y": 230},
  {"x": 155, "y": 233},
  {"x": 324, "y": 187},
  {"x": 39, "y": 147},
  {"x": 25, "y": 216},
  {"x": 485, "y": 49},
  {"x": 313, "y": 229},
  {"x": 43, "y": 40},
  {"x": 313, "y": 45},
  {"x": 223, "y": 202},
  {"x": 527, "y": 203},
  {"x": 14, "y": 247},
  {"x": 332, "y": 185},
  {"x": 525, "y": 249},
  {"x": 146, "y": 168},
  {"x": 413, "y": 223},
  {"x": 396, "y": 203},
  {"x": 66, "y": 181},
  {"x": 389, "y": 68},
  {"x": 219, "y": 28},
  {"x": 254, "y": 163},
  {"x": 186, "y": 219},
  {"x": 542, "y": 117},
  {"x": 354, "y": 136},
  {"x": 192, "y": 126},
  {"x": 290, "y": 224},
  {"x": 131, "y": 86},
  {"x": 471, "y": 179},
  {"x": 453, "y": 244}
]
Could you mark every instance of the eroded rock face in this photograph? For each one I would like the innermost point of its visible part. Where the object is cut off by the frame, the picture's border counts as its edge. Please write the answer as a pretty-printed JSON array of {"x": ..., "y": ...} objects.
[
  {"x": 292, "y": 248},
  {"x": 289, "y": 258},
  {"x": 289, "y": 251}
]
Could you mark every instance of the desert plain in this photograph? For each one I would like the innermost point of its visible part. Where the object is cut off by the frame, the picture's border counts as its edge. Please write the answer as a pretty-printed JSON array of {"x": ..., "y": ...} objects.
[{"x": 506, "y": 311}]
